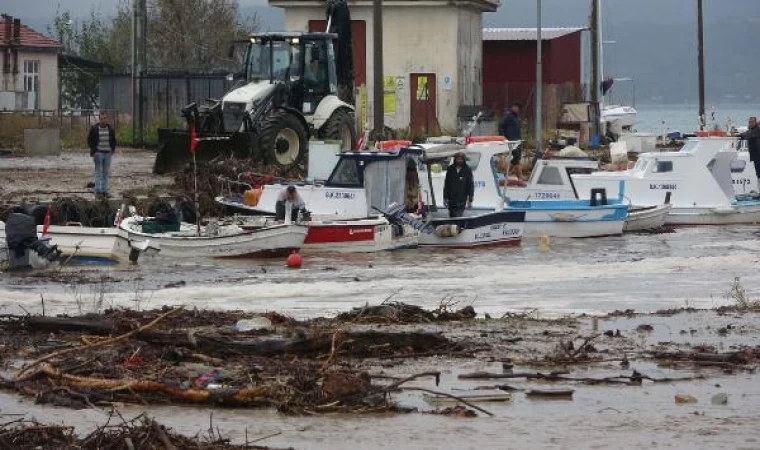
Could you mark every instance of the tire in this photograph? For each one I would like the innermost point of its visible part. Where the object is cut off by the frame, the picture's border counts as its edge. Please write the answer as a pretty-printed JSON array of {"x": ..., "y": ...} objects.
[
  {"x": 340, "y": 127},
  {"x": 283, "y": 139}
]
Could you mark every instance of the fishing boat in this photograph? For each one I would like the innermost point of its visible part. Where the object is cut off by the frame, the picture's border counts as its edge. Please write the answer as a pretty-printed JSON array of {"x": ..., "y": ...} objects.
[
  {"x": 215, "y": 239},
  {"x": 475, "y": 229},
  {"x": 572, "y": 218},
  {"x": 551, "y": 180},
  {"x": 357, "y": 235},
  {"x": 698, "y": 176}
]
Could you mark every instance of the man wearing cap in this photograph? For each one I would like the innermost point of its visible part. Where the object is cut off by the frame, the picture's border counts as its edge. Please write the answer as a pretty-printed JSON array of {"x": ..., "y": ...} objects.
[
  {"x": 289, "y": 195},
  {"x": 459, "y": 187}
]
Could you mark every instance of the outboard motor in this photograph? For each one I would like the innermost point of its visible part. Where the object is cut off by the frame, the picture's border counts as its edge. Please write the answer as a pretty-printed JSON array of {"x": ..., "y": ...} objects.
[
  {"x": 397, "y": 215},
  {"x": 24, "y": 248}
]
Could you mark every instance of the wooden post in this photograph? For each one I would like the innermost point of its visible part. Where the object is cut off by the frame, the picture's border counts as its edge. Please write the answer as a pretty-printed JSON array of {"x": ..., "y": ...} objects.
[
  {"x": 594, "y": 88},
  {"x": 539, "y": 88},
  {"x": 377, "y": 95}
]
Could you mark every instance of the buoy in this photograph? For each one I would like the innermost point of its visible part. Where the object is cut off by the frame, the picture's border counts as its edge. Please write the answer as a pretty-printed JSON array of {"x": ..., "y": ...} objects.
[{"x": 294, "y": 260}]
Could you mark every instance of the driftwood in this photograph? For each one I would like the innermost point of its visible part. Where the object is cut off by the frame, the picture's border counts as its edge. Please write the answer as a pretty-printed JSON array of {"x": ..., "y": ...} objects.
[
  {"x": 190, "y": 395},
  {"x": 738, "y": 357},
  {"x": 634, "y": 379}
]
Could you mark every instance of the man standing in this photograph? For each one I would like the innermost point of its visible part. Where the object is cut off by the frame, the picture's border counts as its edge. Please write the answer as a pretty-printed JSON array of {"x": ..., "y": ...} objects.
[
  {"x": 752, "y": 136},
  {"x": 510, "y": 128},
  {"x": 102, "y": 142},
  {"x": 459, "y": 188}
]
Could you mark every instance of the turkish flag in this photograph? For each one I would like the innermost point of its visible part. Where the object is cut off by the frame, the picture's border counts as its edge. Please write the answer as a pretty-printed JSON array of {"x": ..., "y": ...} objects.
[
  {"x": 46, "y": 223},
  {"x": 193, "y": 139}
]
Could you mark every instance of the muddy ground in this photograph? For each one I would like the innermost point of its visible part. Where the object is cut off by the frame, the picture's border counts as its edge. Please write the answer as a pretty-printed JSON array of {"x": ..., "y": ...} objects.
[{"x": 42, "y": 179}]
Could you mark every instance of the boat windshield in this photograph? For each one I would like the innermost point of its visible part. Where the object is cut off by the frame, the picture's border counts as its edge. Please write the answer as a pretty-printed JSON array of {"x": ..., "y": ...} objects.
[
  {"x": 689, "y": 146},
  {"x": 641, "y": 165}
]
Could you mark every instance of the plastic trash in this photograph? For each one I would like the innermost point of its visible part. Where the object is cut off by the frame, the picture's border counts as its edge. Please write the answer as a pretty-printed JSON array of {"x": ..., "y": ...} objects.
[{"x": 257, "y": 323}]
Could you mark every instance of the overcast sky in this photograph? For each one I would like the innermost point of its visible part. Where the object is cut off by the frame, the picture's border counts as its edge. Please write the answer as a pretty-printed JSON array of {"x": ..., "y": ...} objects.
[{"x": 656, "y": 39}]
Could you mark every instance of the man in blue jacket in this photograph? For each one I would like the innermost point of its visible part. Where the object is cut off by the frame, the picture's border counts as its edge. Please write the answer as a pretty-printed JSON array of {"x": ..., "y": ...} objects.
[{"x": 510, "y": 128}]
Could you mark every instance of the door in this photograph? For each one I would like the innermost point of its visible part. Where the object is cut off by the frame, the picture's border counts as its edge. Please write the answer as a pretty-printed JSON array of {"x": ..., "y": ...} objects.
[{"x": 422, "y": 103}]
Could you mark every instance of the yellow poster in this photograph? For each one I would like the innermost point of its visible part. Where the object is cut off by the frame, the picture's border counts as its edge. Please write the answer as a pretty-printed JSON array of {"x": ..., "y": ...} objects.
[
  {"x": 389, "y": 95},
  {"x": 363, "y": 113},
  {"x": 422, "y": 88}
]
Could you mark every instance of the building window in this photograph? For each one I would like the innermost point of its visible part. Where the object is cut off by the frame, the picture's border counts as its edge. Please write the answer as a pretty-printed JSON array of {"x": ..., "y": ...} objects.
[{"x": 31, "y": 75}]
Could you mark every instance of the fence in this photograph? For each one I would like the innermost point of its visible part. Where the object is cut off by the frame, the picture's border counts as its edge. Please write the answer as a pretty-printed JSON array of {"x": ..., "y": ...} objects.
[
  {"x": 163, "y": 96},
  {"x": 73, "y": 124}
]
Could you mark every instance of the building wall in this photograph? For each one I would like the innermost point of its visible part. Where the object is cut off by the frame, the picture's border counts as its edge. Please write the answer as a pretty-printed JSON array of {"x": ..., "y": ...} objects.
[
  {"x": 509, "y": 73},
  {"x": 12, "y": 84},
  {"x": 415, "y": 40}
]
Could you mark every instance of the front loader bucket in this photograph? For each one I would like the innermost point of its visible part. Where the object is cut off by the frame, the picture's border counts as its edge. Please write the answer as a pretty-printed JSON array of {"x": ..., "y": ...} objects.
[{"x": 174, "y": 149}]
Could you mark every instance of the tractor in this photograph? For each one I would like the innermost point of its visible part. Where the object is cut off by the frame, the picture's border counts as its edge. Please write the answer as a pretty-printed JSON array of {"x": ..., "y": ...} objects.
[{"x": 287, "y": 92}]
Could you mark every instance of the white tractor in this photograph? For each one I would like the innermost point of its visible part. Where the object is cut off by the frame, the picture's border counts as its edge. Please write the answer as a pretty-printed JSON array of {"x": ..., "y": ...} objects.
[{"x": 288, "y": 91}]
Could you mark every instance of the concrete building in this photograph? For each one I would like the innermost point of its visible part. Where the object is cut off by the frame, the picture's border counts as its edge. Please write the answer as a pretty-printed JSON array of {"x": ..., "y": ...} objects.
[
  {"x": 28, "y": 68},
  {"x": 509, "y": 68},
  {"x": 432, "y": 56}
]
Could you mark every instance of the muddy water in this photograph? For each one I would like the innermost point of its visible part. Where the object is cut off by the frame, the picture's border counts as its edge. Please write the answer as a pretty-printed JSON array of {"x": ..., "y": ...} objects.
[{"x": 691, "y": 267}]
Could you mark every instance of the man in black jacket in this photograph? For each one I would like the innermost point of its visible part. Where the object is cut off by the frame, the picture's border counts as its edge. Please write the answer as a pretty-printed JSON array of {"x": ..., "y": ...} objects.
[
  {"x": 510, "y": 128},
  {"x": 459, "y": 188},
  {"x": 752, "y": 136},
  {"x": 102, "y": 143}
]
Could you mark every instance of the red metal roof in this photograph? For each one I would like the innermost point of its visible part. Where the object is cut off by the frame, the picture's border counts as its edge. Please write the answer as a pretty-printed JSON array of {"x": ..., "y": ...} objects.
[
  {"x": 526, "y": 34},
  {"x": 28, "y": 37}
]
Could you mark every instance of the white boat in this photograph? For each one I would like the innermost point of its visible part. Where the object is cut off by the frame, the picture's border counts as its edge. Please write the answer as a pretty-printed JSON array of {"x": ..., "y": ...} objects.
[
  {"x": 218, "y": 241},
  {"x": 359, "y": 183},
  {"x": 553, "y": 217},
  {"x": 619, "y": 116},
  {"x": 371, "y": 234},
  {"x": 647, "y": 218},
  {"x": 101, "y": 242},
  {"x": 551, "y": 180},
  {"x": 698, "y": 176},
  {"x": 475, "y": 229}
]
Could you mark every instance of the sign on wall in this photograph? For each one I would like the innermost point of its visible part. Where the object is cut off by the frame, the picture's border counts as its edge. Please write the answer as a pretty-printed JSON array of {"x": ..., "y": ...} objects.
[{"x": 448, "y": 83}]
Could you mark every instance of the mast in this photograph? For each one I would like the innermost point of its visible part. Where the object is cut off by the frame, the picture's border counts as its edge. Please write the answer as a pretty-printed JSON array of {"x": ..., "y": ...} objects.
[
  {"x": 539, "y": 88},
  {"x": 701, "y": 64}
]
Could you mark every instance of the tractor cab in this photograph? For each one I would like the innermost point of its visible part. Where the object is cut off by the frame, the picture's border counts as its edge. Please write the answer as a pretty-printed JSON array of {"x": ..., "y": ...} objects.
[{"x": 303, "y": 62}]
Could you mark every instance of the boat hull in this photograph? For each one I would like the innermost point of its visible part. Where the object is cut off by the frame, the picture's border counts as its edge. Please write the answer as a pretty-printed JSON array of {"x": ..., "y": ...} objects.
[
  {"x": 270, "y": 241},
  {"x": 498, "y": 228},
  {"x": 358, "y": 236},
  {"x": 570, "y": 219},
  {"x": 741, "y": 213},
  {"x": 647, "y": 219}
]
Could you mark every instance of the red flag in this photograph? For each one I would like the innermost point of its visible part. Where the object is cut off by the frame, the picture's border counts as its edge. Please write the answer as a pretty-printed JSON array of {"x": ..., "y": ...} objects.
[
  {"x": 193, "y": 139},
  {"x": 46, "y": 223}
]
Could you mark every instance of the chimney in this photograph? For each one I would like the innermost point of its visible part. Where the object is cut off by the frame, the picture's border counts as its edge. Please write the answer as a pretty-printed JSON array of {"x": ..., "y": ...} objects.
[
  {"x": 17, "y": 31},
  {"x": 8, "y": 28}
]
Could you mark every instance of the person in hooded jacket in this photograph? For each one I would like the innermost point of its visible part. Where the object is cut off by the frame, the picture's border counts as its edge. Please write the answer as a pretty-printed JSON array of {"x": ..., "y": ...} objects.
[
  {"x": 459, "y": 187},
  {"x": 752, "y": 136}
]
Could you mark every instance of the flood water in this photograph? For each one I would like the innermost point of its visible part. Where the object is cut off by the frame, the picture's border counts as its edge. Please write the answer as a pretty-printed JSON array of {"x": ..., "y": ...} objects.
[{"x": 689, "y": 267}]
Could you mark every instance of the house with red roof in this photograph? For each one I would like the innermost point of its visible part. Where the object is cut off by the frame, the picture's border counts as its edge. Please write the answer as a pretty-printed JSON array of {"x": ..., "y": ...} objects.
[{"x": 28, "y": 67}]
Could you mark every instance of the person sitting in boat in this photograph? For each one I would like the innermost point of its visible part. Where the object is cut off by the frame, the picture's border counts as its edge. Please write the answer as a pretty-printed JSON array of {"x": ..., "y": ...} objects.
[
  {"x": 752, "y": 136},
  {"x": 289, "y": 195},
  {"x": 459, "y": 187}
]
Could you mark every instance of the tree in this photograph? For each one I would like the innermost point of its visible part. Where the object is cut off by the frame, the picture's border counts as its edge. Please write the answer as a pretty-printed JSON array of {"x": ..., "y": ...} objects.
[
  {"x": 194, "y": 35},
  {"x": 92, "y": 39}
]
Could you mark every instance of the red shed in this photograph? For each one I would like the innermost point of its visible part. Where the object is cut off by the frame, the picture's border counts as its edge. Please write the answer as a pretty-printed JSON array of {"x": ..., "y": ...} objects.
[{"x": 509, "y": 68}]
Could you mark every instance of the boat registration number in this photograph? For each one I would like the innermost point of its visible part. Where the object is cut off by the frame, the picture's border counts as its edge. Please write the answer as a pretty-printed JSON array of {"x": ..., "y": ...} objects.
[
  {"x": 547, "y": 195},
  {"x": 340, "y": 195},
  {"x": 663, "y": 186}
]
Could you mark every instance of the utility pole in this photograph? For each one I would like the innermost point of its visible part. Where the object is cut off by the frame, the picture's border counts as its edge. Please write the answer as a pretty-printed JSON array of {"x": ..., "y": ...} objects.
[
  {"x": 539, "y": 88},
  {"x": 377, "y": 73},
  {"x": 701, "y": 64},
  {"x": 595, "y": 64},
  {"x": 139, "y": 45}
]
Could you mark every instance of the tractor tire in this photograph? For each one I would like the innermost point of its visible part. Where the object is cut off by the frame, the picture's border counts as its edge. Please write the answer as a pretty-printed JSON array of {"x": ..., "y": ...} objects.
[
  {"x": 340, "y": 127},
  {"x": 283, "y": 139}
]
